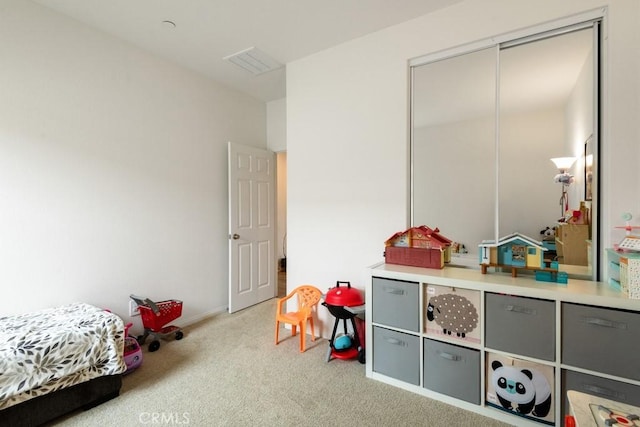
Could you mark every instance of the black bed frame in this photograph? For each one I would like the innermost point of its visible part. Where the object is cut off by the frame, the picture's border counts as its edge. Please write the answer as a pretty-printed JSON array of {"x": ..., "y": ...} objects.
[{"x": 42, "y": 409}]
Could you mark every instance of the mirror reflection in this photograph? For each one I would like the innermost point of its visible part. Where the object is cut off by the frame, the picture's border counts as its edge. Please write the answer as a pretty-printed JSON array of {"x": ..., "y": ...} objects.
[
  {"x": 485, "y": 126},
  {"x": 454, "y": 153}
]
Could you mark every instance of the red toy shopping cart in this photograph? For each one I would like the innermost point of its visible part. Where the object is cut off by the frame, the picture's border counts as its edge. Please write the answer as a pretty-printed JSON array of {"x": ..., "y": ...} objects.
[{"x": 155, "y": 318}]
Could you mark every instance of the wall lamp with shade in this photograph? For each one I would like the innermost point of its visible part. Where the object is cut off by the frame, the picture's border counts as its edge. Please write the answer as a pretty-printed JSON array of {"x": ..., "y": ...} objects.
[{"x": 565, "y": 178}]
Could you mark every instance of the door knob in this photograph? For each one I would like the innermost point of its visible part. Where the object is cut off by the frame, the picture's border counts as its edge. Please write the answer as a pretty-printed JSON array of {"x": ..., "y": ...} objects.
[{"x": 235, "y": 236}]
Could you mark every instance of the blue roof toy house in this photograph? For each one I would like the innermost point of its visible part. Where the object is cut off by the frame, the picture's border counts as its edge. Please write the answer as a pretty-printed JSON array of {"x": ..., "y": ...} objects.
[{"x": 516, "y": 251}]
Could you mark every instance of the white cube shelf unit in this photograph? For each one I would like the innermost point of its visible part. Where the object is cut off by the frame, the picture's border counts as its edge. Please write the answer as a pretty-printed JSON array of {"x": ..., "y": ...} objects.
[{"x": 443, "y": 333}]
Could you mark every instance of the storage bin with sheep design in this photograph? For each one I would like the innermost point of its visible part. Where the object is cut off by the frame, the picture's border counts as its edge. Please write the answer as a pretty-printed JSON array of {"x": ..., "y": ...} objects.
[{"x": 452, "y": 313}]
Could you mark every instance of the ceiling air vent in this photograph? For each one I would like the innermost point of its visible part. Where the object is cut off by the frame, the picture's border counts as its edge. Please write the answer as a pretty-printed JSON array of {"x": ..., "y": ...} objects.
[{"x": 254, "y": 61}]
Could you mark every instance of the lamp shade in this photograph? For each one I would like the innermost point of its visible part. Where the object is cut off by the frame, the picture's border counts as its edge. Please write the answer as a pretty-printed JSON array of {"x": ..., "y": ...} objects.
[{"x": 563, "y": 163}]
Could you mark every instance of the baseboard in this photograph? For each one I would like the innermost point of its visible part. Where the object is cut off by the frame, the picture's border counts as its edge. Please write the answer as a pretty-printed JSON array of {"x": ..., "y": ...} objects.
[{"x": 202, "y": 316}]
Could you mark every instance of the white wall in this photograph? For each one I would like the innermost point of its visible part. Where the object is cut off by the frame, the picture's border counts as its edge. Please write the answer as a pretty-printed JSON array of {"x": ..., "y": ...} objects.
[
  {"x": 527, "y": 143},
  {"x": 579, "y": 113},
  {"x": 468, "y": 182},
  {"x": 347, "y": 127},
  {"x": 281, "y": 206},
  {"x": 277, "y": 142},
  {"x": 113, "y": 170},
  {"x": 277, "y": 125}
]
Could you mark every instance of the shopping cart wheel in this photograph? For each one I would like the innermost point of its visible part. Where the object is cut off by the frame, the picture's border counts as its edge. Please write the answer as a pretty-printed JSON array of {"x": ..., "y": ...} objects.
[
  {"x": 154, "y": 345},
  {"x": 179, "y": 335},
  {"x": 141, "y": 339}
]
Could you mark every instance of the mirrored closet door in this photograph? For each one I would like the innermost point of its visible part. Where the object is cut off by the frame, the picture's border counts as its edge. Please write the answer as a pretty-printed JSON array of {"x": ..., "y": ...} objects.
[{"x": 486, "y": 123}]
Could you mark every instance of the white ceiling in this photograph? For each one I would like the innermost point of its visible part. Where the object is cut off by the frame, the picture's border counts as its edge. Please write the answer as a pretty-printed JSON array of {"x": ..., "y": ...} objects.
[{"x": 208, "y": 30}]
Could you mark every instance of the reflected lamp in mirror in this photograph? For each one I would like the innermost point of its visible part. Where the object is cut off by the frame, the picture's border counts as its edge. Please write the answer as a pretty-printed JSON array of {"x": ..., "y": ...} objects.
[
  {"x": 565, "y": 178},
  {"x": 563, "y": 163}
]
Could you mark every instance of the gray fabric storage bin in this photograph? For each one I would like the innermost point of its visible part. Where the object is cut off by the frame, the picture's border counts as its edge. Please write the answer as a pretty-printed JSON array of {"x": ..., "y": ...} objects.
[
  {"x": 587, "y": 330},
  {"x": 452, "y": 370},
  {"x": 520, "y": 325},
  {"x": 396, "y": 355},
  {"x": 598, "y": 386},
  {"x": 396, "y": 303}
]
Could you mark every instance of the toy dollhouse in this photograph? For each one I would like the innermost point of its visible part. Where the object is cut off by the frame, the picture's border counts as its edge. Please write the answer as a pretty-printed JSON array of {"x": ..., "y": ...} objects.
[
  {"x": 418, "y": 246},
  {"x": 517, "y": 251}
]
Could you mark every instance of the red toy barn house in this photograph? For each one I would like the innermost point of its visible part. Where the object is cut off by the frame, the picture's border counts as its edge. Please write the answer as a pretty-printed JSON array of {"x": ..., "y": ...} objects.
[{"x": 418, "y": 247}]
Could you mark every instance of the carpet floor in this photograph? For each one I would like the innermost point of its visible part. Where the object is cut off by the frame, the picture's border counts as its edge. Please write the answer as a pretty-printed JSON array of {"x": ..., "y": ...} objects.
[{"x": 226, "y": 371}]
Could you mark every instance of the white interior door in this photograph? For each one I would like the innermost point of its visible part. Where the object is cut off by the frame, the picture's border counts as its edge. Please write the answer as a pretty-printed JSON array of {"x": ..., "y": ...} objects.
[{"x": 252, "y": 224}]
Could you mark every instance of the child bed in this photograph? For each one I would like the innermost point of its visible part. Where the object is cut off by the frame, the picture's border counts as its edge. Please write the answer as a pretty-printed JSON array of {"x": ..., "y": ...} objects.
[{"x": 58, "y": 360}]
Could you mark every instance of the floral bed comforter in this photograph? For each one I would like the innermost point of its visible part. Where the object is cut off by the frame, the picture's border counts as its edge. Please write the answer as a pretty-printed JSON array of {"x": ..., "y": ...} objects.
[{"x": 48, "y": 350}]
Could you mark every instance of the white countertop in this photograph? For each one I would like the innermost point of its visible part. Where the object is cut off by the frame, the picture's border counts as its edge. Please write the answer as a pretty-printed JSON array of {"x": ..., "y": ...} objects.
[{"x": 576, "y": 291}]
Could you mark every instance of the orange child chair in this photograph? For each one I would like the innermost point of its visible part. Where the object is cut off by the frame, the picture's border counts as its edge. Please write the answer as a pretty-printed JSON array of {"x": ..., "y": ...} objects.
[{"x": 308, "y": 297}]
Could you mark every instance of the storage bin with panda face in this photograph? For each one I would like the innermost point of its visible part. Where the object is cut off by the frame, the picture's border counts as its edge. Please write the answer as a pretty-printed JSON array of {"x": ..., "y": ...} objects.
[{"x": 521, "y": 387}]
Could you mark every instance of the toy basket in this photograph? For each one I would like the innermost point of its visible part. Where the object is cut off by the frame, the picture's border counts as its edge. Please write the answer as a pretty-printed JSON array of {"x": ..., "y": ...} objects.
[
  {"x": 156, "y": 315},
  {"x": 155, "y": 318}
]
